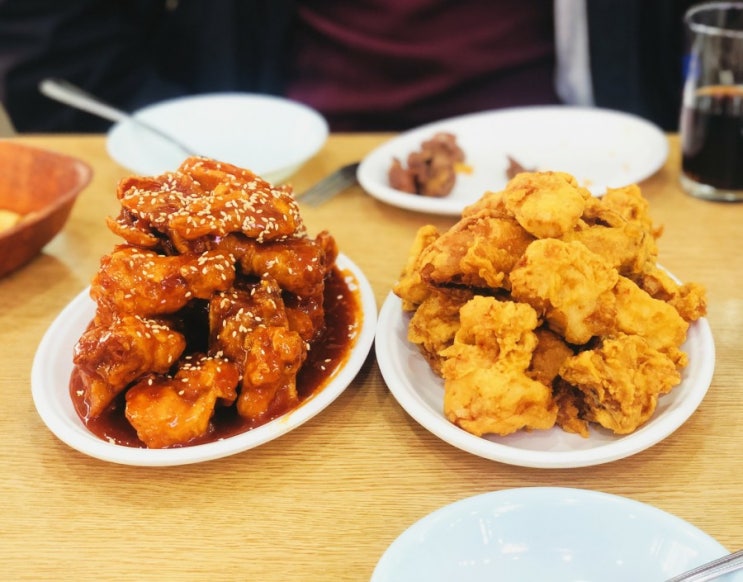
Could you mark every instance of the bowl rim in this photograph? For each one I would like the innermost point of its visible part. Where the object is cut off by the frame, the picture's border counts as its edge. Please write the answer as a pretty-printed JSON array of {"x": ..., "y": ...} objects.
[{"x": 84, "y": 173}]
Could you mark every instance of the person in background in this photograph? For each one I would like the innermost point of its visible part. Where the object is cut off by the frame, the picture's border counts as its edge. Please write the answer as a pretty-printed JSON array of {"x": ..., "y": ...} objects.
[
  {"x": 369, "y": 65},
  {"x": 624, "y": 55}
]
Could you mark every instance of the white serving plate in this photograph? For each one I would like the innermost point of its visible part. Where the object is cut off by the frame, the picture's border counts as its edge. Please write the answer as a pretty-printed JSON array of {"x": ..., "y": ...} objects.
[
  {"x": 421, "y": 393},
  {"x": 600, "y": 147},
  {"x": 52, "y": 367}
]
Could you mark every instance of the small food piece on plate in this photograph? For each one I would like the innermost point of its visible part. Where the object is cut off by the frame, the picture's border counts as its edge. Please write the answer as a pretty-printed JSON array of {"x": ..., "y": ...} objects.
[
  {"x": 515, "y": 167},
  {"x": 431, "y": 171},
  {"x": 210, "y": 308},
  {"x": 544, "y": 306}
]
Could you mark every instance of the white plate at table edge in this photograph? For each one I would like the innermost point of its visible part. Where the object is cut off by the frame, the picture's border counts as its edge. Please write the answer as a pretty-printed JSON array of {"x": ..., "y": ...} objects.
[
  {"x": 526, "y": 505},
  {"x": 640, "y": 157},
  {"x": 420, "y": 393},
  {"x": 52, "y": 367}
]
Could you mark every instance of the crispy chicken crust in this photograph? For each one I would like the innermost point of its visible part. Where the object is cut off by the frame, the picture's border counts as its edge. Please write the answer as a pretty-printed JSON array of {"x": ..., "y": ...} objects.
[{"x": 544, "y": 306}]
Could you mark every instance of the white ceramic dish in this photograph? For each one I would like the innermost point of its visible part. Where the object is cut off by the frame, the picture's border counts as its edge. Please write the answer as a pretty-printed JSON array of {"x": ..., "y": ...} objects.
[
  {"x": 269, "y": 135},
  {"x": 52, "y": 367},
  {"x": 421, "y": 393},
  {"x": 601, "y": 148},
  {"x": 550, "y": 534}
]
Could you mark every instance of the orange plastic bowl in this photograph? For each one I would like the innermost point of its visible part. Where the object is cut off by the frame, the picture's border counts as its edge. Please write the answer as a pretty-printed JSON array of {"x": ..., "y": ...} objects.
[{"x": 42, "y": 187}]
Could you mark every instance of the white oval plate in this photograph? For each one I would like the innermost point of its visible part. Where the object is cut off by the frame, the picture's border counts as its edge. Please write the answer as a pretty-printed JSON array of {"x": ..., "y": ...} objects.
[
  {"x": 421, "y": 393},
  {"x": 52, "y": 366},
  {"x": 601, "y": 148},
  {"x": 269, "y": 135},
  {"x": 554, "y": 534}
]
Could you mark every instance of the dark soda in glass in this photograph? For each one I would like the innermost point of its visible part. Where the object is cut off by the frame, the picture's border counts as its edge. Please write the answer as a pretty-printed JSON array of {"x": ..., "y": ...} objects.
[{"x": 712, "y": 137}]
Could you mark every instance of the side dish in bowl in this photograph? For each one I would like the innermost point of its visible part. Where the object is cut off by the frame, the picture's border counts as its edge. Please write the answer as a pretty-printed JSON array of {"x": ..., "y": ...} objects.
[{"x": 38, "y": 189}]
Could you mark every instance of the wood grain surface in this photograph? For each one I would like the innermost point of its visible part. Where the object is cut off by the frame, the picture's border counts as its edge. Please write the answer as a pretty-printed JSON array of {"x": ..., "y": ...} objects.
[{"x": 324, "y": 501}]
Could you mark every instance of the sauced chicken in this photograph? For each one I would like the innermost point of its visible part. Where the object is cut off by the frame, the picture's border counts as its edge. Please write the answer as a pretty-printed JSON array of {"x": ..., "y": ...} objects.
[{"x": 214, "y": 300}]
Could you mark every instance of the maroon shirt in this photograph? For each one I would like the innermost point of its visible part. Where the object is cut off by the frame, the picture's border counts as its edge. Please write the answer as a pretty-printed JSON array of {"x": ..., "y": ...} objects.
[{"x": 394, "y": 64}]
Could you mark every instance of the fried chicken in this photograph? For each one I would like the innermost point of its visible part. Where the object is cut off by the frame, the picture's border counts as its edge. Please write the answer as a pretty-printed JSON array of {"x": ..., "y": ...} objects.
[
  {"x": 568, "y": 285},
  {"x": 109, "y": 357},
  {"x": 141, "y": 281},
  {"x": 547, "y": 204},
  {"x": 410, "y": 287},
  {"x": 204, "y": 198},
  {"x": 435, "y": 323},
  {"x": 216, "y": 298},
  {"x": 487, "y": 389},
  {"x": 544, "y": 305},
  {"x": 167, "y": 411},
  {"x": 479, "y": 251},
  {"x": 620, "y": 381}
]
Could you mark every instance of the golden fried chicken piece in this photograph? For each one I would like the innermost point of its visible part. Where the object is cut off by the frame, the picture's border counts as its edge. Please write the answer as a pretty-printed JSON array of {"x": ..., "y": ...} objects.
[
  {"x": 110, "y": 357},
  {"x": 624, "y": 247},
  {"x": 582, "y": 297},
  {"x": 621, "y": 381},
  {"x": 492, "y": 202},
  {"x": 204, "y": 198},
  {"x": 134, "y": 280},
  {"x": 167, "y": 411},
  {"x": 479, "y": 251},
  {"x": 569, "y": 401},
  {"x": 569, "y": 285},
  {"x": 656, "y": 321},
  {"x": 410, "y": 287},
  {"x": 435, "y": 322},
  {"x": 486, "y": 388},
  {"x": 548, "y": 357},
  {"x": 689, "y": 299},
  {"x": 545, "y": 204},
  {"x": 274, "y": 357},
  {"x": 629, "y": 203},
  {"x": 617, "y": 227}
]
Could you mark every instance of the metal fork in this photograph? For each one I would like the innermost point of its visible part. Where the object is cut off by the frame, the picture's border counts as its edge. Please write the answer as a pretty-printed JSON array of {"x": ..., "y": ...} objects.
[
  {"x": 335, "y": 183},
  {"x": 713, "y": 569},
  {"x": 72, "y": 95}
]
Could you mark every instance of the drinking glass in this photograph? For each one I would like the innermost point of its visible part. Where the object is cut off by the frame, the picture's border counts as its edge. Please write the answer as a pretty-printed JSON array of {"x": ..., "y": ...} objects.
[{"x": 711, "y": 124}]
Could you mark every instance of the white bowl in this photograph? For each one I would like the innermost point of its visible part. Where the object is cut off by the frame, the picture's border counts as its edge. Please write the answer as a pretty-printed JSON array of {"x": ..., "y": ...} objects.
[
  {"x": 269, "y": 135},
  {"x": 554, "y": 534}
]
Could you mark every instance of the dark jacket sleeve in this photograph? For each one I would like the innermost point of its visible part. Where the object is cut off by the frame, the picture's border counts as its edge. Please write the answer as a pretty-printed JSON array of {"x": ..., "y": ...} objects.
[
  {"x": 135, "y": 52},
  {"x": 636, "y": 49}
]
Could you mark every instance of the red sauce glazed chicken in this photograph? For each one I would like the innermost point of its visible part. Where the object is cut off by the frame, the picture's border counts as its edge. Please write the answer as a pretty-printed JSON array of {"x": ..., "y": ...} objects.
[{"x": 214, "y": 300}]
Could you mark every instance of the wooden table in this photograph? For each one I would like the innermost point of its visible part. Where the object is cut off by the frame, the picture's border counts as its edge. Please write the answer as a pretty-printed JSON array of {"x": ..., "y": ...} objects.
[{"x": 324, "y": 501}]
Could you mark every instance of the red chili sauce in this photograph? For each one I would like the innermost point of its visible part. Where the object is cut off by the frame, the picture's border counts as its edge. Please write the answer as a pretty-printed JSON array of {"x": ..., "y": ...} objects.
[{"x": 343, "y": 320}]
